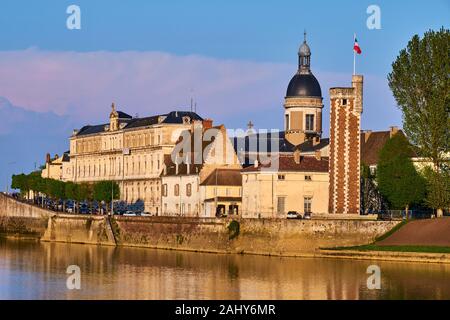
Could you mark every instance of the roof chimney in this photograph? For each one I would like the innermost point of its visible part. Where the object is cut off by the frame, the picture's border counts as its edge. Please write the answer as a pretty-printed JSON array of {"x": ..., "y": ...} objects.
[
  {"x": 318, "y": 154},
  {"x": 47, "y": 158},
  {"x": 256, "y": 163},
  {"x": 393, "y": 130},
  {"x": 207, "y": 123},
  {"x": 367, "y": 134},
  {"x": 297, "y": 156}
]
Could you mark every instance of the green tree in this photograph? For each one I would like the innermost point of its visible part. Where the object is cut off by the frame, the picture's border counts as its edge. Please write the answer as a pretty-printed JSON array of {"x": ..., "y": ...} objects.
[
  {"x": 371, "y": 200},
  {"x": 398, "y": 180},
  {"x": 438, "y": 189},
  {"x": 420, "y": 84},
  {"x": 106, "y": 191}
]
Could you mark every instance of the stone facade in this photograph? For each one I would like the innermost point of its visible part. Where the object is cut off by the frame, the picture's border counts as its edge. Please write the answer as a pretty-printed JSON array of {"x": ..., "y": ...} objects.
[
  {"x": 130, "y": 151},
  {"x": 345, "y": 120}
]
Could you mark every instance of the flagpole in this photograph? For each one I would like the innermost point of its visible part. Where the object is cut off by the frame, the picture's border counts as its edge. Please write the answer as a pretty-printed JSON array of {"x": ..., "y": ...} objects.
[{"x": 354, "y": 56}]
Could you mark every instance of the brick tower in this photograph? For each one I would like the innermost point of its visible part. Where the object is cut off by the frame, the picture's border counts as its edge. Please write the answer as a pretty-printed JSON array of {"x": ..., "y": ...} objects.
[{"x": 346, "y": 106}]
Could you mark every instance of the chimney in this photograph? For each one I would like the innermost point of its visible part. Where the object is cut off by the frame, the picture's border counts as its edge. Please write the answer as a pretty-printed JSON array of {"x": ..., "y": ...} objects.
[
  {"x": 256, "y": 163},
  {"x": 47, "y": 158},
  {"x": 188, "y": 165},
  {"x": 393, "y": 130},
  {"x": 316, "y": 141},
  {"x": 207, "y": 123},
  {"x": 297, "y": 156},
  {"x": 318, "y": 154},
  {"x": 367, "y": 134}
]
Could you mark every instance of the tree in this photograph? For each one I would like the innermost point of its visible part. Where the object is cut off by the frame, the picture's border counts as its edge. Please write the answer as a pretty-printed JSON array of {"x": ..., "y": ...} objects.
[
  {"x": 371, "y": 200},
  {"x": 106, "y": 191},
  {"x": 438, "y": 189},
  {"x": 420, "y": 84},
  {"x": 398, "y": 180}
]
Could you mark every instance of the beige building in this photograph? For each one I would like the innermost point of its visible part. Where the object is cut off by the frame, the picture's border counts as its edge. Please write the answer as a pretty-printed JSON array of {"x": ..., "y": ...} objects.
[
  {"x": 221, "y": 193},
  {"x": 54, "y": 168},
  {"x": 187, "y": 173},
  {"x": 297, "y": 183},
  {"x": 130, "y": 151}
]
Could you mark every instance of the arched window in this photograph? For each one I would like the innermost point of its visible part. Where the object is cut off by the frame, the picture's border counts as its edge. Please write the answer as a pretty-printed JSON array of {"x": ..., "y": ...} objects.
[{"x": 188, "y": 189}]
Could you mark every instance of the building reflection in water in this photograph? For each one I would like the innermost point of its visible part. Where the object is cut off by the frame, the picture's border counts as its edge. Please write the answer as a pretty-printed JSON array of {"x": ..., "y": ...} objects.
[{"x": 38, "y": 271}]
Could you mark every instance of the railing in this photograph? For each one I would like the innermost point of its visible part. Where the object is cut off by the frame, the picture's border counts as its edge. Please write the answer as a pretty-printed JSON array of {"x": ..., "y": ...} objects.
[{"x": 401, "y": 214}]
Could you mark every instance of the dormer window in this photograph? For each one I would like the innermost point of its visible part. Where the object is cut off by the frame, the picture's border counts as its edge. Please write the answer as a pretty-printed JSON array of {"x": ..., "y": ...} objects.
[
  {"x": 309, "y": 125},
  {"x": 186, "y": 120}
]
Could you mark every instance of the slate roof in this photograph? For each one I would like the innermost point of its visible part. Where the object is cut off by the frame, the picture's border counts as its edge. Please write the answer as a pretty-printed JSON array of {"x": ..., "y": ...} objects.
[
  {"x": 265, "y": 141},
  {"x": 370, "y": 149},
  {"x": 287, "y": 163},
  {"x": 223, "y": 177},
  {"x": 173, "y": 117}
]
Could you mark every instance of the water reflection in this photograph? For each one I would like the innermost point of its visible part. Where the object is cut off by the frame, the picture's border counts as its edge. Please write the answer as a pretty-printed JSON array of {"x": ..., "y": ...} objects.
[{"x": 37, "y": 271}]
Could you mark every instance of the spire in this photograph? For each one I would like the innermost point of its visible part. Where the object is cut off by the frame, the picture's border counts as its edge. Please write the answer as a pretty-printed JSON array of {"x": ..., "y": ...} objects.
[{"x": 304, "y": 56}]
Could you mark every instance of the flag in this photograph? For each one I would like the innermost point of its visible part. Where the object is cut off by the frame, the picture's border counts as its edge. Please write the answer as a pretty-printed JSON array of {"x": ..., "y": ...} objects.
[{"x": 356, "y": 47}]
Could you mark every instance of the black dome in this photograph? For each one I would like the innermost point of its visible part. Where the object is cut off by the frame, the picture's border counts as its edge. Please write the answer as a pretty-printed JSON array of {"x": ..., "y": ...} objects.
[{"x": 304, "y": 85}]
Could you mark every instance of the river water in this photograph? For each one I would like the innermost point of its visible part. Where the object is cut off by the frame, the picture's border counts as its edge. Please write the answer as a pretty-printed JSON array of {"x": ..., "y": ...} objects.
[{"x": 30, "y": 270}]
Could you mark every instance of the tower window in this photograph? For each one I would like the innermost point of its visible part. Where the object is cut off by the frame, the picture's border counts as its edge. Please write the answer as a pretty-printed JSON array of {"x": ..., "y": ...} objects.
[
  {"x": 287, "y": 122},
  {"x": 344, "y": 102},
  {"x": 309, "y": 122}
]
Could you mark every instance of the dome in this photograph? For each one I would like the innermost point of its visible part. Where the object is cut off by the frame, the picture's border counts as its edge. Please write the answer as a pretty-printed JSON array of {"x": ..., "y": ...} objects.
[
  {"x": 304, "y": 85},
  {"x": 304, "y": 50}
]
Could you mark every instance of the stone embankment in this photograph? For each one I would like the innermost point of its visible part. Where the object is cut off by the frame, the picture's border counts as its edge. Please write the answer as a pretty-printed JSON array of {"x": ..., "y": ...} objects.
[{"x": 279, "y": 237}]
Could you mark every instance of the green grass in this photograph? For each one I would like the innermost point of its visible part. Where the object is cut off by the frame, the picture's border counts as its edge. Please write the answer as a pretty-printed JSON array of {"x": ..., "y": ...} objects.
[
  {"x": 374, "y": 247},
  {"x": 393, "y": 230},
  {"x": 400, "y": 248}
]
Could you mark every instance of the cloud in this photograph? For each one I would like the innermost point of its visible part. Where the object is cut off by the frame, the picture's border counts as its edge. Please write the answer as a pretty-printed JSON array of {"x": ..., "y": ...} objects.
[{"x": 82, "y": 85}]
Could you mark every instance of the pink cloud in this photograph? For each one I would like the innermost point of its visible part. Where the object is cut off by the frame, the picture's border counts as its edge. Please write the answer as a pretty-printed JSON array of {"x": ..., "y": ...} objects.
[{"x": 83, "y": 84}]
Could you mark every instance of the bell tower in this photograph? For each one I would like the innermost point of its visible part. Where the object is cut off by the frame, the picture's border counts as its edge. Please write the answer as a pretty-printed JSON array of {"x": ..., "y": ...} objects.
[
  {"x": 303, "y": 102},
  {"x": 113, "y": 118}
]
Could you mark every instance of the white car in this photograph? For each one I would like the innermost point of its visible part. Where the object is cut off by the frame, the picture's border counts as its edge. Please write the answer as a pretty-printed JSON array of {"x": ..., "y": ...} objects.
[{"x": 293, "y": 215}]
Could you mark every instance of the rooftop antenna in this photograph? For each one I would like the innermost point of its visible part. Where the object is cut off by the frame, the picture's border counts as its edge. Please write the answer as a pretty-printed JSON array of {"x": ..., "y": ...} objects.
[{"x": 192, "y": 100}]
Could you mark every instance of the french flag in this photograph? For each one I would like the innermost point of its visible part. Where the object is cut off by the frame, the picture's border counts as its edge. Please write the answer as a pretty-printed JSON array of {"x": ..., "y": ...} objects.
[{"x": 356, "y": 47}]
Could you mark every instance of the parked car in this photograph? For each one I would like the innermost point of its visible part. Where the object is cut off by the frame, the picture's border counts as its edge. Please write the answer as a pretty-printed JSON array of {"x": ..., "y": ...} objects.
[
  {"x": 145, "y": 214},
  {"x": 294, "y": 215},
  {"x": 307, "y": 216},
  {"x": 129, "y": 214}
]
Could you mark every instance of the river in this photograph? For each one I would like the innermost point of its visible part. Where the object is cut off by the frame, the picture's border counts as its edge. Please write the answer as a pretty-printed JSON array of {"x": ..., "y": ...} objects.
[{"x": 32, "y": 270}]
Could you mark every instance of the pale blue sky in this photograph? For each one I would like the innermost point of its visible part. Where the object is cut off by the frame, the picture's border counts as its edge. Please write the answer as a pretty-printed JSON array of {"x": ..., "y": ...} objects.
[{"x": 238, "y": 56}]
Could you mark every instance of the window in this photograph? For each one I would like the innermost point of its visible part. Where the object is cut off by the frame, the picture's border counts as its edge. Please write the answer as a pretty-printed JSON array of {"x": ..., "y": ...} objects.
[
  {"x": 309, "y": 122},
  {"x": 280, "y": 205},
  {"x": 188, "y": 189},
  {"x": 307, "y": 204},
  {"x": 308, "y": 178},
  {"x": 164, "y": 190},
  {"x": 344, "y": 102},
  {"x": 176, "y": 190},
  {"x": 281, "y": 177},
  {"x": 287, "y": 122}
]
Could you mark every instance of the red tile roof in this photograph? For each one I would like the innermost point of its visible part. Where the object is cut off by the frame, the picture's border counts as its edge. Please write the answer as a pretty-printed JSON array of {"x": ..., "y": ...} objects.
[{"x": 287, "y": 163}]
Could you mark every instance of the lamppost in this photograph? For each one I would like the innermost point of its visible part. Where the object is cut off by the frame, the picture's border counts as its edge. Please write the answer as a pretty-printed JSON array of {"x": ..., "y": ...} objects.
[{"x": 7, "y": 184}]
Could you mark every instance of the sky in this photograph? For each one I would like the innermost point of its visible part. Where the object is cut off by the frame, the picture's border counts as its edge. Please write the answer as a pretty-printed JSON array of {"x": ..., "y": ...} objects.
[{"x": 235, "y": 58}]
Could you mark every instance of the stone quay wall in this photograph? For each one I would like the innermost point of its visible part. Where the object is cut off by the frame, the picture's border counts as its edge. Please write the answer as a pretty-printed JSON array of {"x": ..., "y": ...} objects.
[{"x": 279, "y": 237}]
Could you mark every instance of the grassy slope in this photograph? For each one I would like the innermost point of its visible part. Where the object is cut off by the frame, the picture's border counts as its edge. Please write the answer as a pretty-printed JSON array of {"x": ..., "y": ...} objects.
[{"x": 375, "y": 247}]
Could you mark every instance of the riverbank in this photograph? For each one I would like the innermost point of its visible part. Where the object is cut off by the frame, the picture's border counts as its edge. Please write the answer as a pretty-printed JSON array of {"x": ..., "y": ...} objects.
[{"x": 269, "y": 237}]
